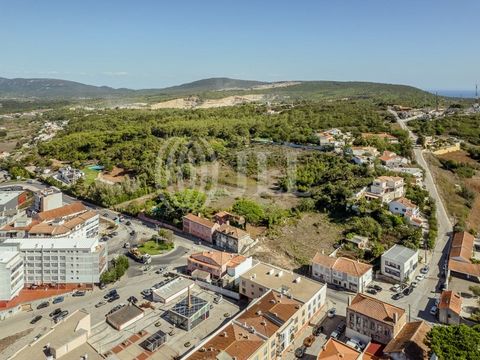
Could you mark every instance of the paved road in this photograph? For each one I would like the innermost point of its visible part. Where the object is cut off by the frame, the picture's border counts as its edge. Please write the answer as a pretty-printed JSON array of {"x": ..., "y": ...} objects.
[{"x": 421, "y": 299}]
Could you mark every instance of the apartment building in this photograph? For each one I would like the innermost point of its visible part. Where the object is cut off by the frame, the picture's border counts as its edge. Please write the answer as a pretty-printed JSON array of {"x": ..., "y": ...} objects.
[
  {"x": 10, "y": 201},
  {"x": 399, "y": 262},
  {"x": 11, "y": 274},
  {"x": 386, "y": 189},
  {"x": 60, "y": 260},
  {"x": 347, "y": 273},
  {"x": 47, "y": 199},
  {"x": 69, "y": 221},
  {"x": 371, "y": 319},
  {"x": 262, "y": 278},
  {"x": 263, "y": 331}
]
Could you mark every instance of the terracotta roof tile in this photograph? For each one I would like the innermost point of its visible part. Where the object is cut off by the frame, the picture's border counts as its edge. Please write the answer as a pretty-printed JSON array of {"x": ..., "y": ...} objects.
[
  {"x": 232, "y": 231},
  {"x": 199, "y": 220},
  {"x": 342, "y": 264},
  {"x": 462, "y": 246},
  {"x": 410, "y": 341},
  {"x": 451, "y": 300},
  {"x": 406, "y": 202},
  {"x": 66, "y": 210},
  {"x": 464, "y": 267},
  {"x": 375, "y": 309},
  {"x": 218, "y": 258},
  {"x": 336, "y": 350}
]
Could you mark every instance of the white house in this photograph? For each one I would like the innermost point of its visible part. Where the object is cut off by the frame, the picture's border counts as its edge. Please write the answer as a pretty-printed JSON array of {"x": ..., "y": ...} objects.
[
  {"x": 392, "y": 160},
  {"x": 403, "y": 206},
  {"x": 350, "y": 274},
  {"x": 386, "y": 188},
  {"x": 399, "y": 262}
]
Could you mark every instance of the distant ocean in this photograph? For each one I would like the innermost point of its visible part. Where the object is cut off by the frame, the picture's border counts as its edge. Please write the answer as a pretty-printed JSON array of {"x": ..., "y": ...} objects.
[{"x": 455, "y": 93}]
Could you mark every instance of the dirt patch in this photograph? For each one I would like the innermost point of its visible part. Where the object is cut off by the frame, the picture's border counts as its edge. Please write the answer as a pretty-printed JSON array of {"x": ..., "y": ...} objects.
[
  {"x": 9, "y": 340},
  {"x": 194, "y": 102},
  {"x": 459, "y": 156},
  {"x": 117, "y": 175},
  {"x": 295, "y": 243}
]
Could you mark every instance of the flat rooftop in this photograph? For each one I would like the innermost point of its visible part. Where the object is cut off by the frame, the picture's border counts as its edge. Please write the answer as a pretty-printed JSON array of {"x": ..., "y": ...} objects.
[
  {"x": 124, "y": 314},
  {"x": 399, "y": 253},
  {"x": 6, "y": 196},
  {"x": 272, "y": 277},
  {"x": 173, "y": 287},
  {"x": 7, "y": 255},
  {"x": 61, "y": 334}
]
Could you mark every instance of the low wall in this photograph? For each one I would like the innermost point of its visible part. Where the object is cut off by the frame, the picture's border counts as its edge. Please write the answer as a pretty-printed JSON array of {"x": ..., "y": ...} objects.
[{"x": 217, "y": 289}]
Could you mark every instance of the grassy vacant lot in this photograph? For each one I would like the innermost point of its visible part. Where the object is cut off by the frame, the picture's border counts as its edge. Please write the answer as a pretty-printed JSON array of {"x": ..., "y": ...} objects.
[
  {"x": 449, "y": 183},
  {"x": 90, "y": 175},
  {"x": 151, "y": 247},
  {"x": 294, "y": 244}
]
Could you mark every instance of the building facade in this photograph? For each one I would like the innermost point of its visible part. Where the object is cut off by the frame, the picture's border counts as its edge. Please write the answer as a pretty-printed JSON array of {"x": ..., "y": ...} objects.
[
  {"x": 199, "y": 227},
  {"x": 399, "y": 262},
  {"x": 371, "y": 319},
  {"x": 450, "y": 308},
  {"x": 347, "y": 273},
  {"x": 232, "y": 239},
  {"x": 11, "y": 274}
]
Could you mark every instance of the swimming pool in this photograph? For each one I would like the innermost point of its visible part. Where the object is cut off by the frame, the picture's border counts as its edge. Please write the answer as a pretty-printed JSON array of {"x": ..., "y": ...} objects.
[{"x": 96, "y": 167}]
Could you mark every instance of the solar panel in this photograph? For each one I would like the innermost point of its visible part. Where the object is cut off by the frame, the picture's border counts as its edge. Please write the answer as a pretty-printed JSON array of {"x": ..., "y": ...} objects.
[{"x": 154, "y": 341}]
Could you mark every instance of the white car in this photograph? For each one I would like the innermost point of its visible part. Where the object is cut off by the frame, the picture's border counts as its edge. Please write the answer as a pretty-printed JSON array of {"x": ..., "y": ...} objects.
[
  {"x": 414, "y": 284},
  {"x": 335, "y": 334},
  {"x": 331, "y": 313},
  {"x": 433, "y": 310},
  {"x": 396, "y": 288},
  {"x": 420, "y": 277},
  {"x": 354, "y": 343}
]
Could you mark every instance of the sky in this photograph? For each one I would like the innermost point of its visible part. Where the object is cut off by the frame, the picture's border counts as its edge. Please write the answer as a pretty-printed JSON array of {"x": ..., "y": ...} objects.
[{"x": 431, "y": 44}]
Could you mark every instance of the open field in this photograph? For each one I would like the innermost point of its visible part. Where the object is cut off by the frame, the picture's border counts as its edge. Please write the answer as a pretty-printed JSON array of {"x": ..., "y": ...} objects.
[
  {"x": 461, "y": 157},
  {"x": 295, "y": 243},
  {"x": 115, "y": 176}
]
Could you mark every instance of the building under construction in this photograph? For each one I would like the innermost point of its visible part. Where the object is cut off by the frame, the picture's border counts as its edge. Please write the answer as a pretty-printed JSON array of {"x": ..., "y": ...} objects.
[{"x": 189, "y": 312}]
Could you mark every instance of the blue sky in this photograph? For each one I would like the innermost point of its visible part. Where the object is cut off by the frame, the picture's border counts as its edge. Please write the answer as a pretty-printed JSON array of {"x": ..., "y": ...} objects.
[{"x": 432, "y": 44}]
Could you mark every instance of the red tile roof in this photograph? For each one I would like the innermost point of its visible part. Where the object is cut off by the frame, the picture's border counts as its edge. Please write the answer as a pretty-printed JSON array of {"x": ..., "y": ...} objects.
[
  {"x": 376, "y": 309},
  {"x": 66, "y": 210},
  {"x": 451, "y": 300},
  {"x": 199, "y": 220},
  {"x": 462, "y": 246},
  {"x": 336, "y": 350},
  {"x": 410, "y": 341},
  {"x": 342, "y": 264},
  {"x": 232, "y": 231}
]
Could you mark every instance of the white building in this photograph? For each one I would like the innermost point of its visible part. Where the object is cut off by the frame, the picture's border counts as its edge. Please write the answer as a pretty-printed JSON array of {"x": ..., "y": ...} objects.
[
  {"x": 11, "y": 274},
  {"x": 69, "y": 175},
  {"x": 60, "y": 260},
  {"x": 402, "y": 206},
  {"x": 399, "y": 262},
  {"x": 47, "y": 199},
  {"x": 347, "y": 273},
  {"x": 386, "y": 188}
]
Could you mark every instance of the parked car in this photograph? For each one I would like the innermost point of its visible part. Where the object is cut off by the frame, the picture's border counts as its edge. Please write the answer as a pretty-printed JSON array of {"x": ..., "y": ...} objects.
[
  {"x": 397, "y": 296},
  {"x": 146, "y": 292},
  {"x": 113, "y": 298},
  {"x": 425, "y": 269},
  {"x": 218, "y": 299},
  {"x": 128, "y": 223},
  {"x": 102, "y": 286},
  {"x": 408, "y": 290},
  {"x": 79, "y": 293},
  {"x": 433, "y": 310},
  {"x": 437, "y": 301},
  {"x": 335, "y": 334},
  {"x": 110, "y": 294},
  {"x": 58, "y": 299},
  {"x": 332, "y": 312},
  {"x": 420, "y": 277},
  {"x": 414, "y": 284},
  {"x": 372, "y": 291},
  {"x": 55, "y": 312},
  {"x": 341, "y": 327},
  {"x": 43, "y": 305},
  {"x": 357, "y": 345},
  {"x": 36, "y": 319},
  {"x": 377, "y": 287},
  {"x": 158, "y": 324},
  {"x": 300, "y": 351},
  {"x": 396, "y": 288},
  {"x": 443, "y": 287},
  {"x": 100, "y": 303}
]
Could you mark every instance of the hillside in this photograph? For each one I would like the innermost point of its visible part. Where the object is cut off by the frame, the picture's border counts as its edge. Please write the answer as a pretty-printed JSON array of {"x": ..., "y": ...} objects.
[{"x": 213, "y": 88}]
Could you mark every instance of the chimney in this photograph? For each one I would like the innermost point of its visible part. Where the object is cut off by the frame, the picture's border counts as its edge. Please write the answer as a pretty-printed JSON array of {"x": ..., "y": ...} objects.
[
  {"x": 395, "y": 318},
  {"x": 349, "y": 300},
  {"x": 189, "y": 301}
]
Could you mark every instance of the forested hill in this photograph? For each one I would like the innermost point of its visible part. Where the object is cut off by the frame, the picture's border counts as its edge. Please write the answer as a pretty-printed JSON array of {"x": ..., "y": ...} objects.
[{"x": 55, "y": 89}]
